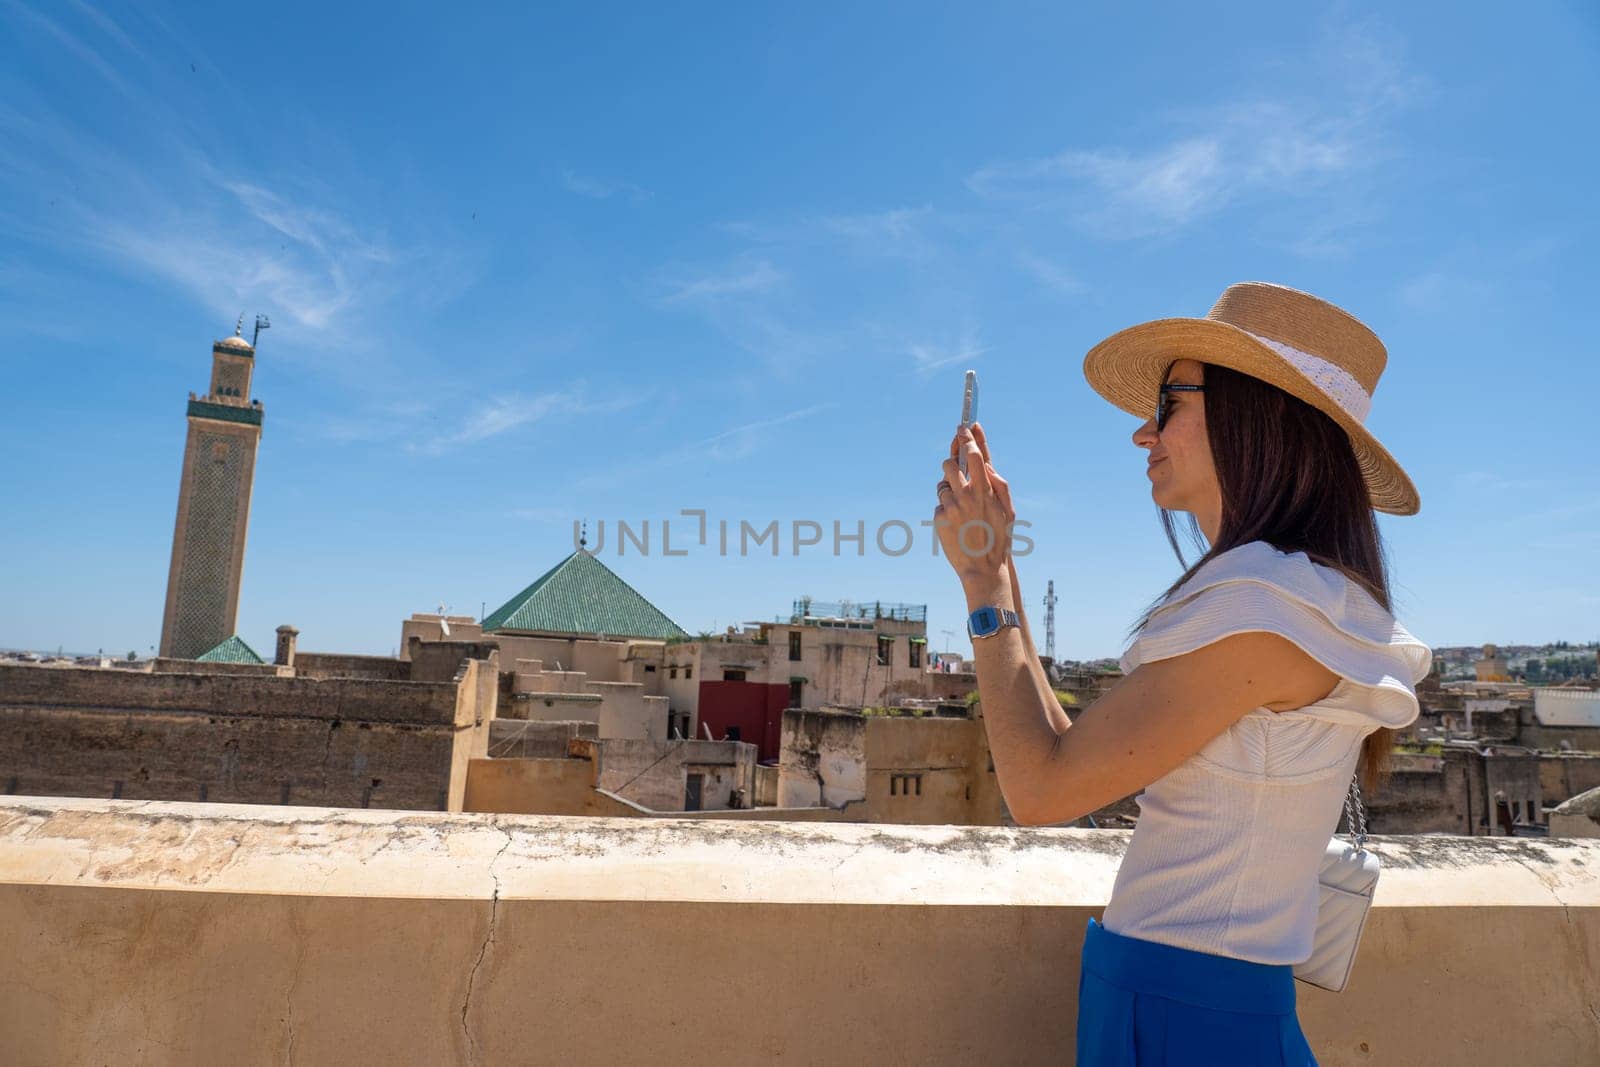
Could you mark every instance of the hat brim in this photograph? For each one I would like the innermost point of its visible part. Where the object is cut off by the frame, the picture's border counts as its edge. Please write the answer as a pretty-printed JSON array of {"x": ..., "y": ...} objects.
[{"x": 1128, "y": 367}]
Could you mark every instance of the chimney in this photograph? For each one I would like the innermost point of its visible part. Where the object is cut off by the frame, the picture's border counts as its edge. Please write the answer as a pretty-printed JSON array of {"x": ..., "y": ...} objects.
[{"x": 286, "y": 637}]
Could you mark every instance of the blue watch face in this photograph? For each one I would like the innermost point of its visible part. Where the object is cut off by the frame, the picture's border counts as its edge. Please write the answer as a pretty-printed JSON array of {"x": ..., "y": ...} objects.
[{"x": 984, "y": 621}]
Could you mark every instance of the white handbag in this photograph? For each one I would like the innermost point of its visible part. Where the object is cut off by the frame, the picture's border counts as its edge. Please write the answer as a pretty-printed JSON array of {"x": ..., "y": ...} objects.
[{"x": 1347, "y": 880}]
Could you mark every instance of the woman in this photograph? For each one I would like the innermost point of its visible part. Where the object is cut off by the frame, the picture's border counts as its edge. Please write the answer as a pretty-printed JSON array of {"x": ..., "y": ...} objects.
[{"x": 1266, "y": 674}]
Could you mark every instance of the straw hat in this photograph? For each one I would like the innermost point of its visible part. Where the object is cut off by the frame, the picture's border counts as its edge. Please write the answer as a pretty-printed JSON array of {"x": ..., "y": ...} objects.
[{"x": 1293, "y": 340}]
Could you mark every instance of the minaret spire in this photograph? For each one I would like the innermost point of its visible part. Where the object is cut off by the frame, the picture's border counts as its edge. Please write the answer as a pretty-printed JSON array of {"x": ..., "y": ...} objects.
[{"x": 219, "y": 462}]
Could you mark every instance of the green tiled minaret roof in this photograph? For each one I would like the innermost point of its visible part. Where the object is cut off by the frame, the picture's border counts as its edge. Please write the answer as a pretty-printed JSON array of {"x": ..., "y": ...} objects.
[
  {"x": 233, "y": 650},
  {"x": 581, "y": 595}
]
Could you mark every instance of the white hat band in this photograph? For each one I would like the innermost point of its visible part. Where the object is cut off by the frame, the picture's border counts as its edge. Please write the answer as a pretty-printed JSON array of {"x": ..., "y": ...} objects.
[{"x": 1339, "y": 384}]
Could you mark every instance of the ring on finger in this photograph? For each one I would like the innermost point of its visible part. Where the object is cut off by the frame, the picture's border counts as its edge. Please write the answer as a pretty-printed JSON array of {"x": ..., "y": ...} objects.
[{"x": 943, "y": 487}]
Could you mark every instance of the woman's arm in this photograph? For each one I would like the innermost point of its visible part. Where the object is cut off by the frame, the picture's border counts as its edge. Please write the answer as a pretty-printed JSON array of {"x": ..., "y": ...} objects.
[
  {"x": 1053, "y": 710},
  {"x": 1052, "y": 770},
  {"x": 1149, "y": 723}
]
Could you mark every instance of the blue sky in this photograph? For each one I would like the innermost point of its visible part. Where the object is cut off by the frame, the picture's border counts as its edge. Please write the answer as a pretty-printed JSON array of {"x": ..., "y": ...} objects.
[{"x": 611, "y": 262}]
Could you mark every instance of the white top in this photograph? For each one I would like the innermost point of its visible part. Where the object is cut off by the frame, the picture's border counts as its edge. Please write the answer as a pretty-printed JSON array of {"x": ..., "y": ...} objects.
[{"x": 1226, "y": 852}]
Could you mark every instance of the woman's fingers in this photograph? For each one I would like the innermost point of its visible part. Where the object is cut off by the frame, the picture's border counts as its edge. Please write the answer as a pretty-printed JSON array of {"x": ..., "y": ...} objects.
[
  {"x": 962, "y": 435},
  {"x": 978, "y": 468},
  {"x": 1002, "y": 489},
  {"x": 983, "y": 441},
  {"x": 977, "y": 471}
]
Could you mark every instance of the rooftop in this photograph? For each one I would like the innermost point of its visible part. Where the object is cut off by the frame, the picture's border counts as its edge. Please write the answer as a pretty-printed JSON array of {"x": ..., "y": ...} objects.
[
  {"x": 581, "y": 595},
  {"x": 233, "y": 650},
  {"x": 807, "y": 608},
  {"x": 201, "y": 933}
]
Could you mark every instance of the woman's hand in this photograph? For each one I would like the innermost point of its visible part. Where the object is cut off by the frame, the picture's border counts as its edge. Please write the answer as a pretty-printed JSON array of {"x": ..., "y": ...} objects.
[{"x": 974, "y": 515}]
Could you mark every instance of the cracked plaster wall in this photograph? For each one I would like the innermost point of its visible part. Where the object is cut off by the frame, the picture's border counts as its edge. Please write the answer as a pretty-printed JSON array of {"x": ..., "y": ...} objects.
[{"x": 176, "y": 934}]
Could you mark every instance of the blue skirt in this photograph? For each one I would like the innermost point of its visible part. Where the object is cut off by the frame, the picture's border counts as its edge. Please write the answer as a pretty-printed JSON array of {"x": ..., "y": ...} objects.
[{"x": 1143, "y": 1003}]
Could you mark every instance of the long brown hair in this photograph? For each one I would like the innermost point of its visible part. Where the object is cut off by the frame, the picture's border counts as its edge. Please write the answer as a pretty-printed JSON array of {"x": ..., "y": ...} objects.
[{"x": 1289, "y": 477}]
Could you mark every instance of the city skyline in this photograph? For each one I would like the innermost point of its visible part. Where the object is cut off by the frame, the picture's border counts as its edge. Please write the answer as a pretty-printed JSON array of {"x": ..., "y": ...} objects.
[{"x": 540, "y": 294}]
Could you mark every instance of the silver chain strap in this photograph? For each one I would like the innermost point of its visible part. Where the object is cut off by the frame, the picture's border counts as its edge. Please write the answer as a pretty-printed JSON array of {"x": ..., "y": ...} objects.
[{"x": 1355, "y": 814}]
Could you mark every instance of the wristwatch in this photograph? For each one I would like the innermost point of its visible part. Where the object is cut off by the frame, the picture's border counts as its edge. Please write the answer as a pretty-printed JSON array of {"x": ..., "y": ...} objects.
[{"x": 988, "y": 621}]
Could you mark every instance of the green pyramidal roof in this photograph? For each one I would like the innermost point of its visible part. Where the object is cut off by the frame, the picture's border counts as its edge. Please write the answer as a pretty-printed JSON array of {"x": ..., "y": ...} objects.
[
  {"x": 581, "y": 595},
  {"x": 233, "y": 650}
]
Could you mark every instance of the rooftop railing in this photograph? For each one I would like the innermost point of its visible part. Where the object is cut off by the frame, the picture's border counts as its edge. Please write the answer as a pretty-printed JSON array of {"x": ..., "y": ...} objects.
[{"x": 805, "y": 608}]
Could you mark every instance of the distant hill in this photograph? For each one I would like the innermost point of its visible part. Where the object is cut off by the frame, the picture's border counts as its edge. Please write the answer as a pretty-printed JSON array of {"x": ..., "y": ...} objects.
[{"x": 1537, "y": 664}]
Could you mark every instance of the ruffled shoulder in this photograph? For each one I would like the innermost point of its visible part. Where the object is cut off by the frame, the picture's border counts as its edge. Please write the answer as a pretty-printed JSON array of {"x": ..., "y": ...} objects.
[{"x": 1255, "y": 587}]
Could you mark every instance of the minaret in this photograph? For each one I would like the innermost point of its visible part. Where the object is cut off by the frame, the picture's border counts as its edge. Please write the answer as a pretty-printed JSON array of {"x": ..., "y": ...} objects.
[{"x": 219, "y": 465}]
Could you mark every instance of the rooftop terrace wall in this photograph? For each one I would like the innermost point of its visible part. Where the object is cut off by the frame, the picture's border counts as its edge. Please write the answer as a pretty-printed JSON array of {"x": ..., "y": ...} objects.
[{"x": 180, "y": 934}]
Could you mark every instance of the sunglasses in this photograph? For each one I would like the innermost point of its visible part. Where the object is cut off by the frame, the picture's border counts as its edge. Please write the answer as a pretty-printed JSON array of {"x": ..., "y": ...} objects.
[{"x": 1164, "y": 409}]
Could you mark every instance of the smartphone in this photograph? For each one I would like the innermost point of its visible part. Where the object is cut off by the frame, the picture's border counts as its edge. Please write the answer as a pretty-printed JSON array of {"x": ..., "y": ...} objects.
[{"x": 969, "y": 410}]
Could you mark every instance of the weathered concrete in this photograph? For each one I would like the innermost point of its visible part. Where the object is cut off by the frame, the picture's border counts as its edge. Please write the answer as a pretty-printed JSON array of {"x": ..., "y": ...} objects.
[
  {"x": 932, "y": 771},
  {"x": 655, "y": 774},
  {"x": 179, "y": 934},
  {"x": 530, "y": 739},
  {"x": 247, "y": 738},
  {"x": 1564, "y": 776}
]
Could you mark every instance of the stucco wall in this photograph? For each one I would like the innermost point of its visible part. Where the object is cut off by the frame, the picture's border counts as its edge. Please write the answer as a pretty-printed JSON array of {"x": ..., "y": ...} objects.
[
  {"x": 241, "y": 739},
  {"x": 1574, "y": 826},
  {"x": 553, "y": 707},
  {"x": 205, "y": 934},
  {"x": 427, "y": 628},
  {"x": 1422, "y": 795},
  {"x": 627, "y": 710},
  {"x": 766, "y": 779},
  {"x": 1564, "y": 777},
  {"x": 340, "y": 665},
  {"x": 602, "y": 661},
  {"x": 1578, "y": 738},
  {"x": 839, "y": 666},
  {"x": 514, "y": 739},
  {"x": 537, "y": 787},
  {"x": 928, "y": 770},
  {"x": 655, "y": 773},
  {"x": 823, "y": 760},
  {"x": 944, "y": 762},
  {"x": 87, "y": 687}
]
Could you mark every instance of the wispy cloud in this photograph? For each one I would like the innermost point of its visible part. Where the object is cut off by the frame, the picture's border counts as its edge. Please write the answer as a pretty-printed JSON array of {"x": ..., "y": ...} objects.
[
  {"x": 903, "y": 233},
  {"x": 755, "y": 278},
  {"x": 79, "y": 48},
  {"x": 739, "y": 441},
  {"x": 757, "y": 309},
  {"x": 1051, "y": 275},
  {"x": 1272, "y": 144},
  {"x": 1494, "y": 482},
  {"x": 598, "y": 189},
  {"x": 252, "y": 249},
  {"x": 906, "y": 233},
  {"x": 500, "y": 415},
  {"x": 160, "y": 200},
  {"x": 503, "y": 413},
  {"x": 930, "y": 357},
  {"x": 1443, "y": 290},
  {"x": 733, "y": 443}
]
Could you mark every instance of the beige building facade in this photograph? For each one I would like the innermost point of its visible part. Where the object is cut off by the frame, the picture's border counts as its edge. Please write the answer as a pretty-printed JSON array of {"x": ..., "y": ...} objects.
[{"x": 929, "y": 769}]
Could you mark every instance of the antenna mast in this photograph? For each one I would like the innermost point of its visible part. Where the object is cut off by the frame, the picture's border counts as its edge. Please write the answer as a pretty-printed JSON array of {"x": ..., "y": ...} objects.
[{"x": 1050, "y": 620}]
